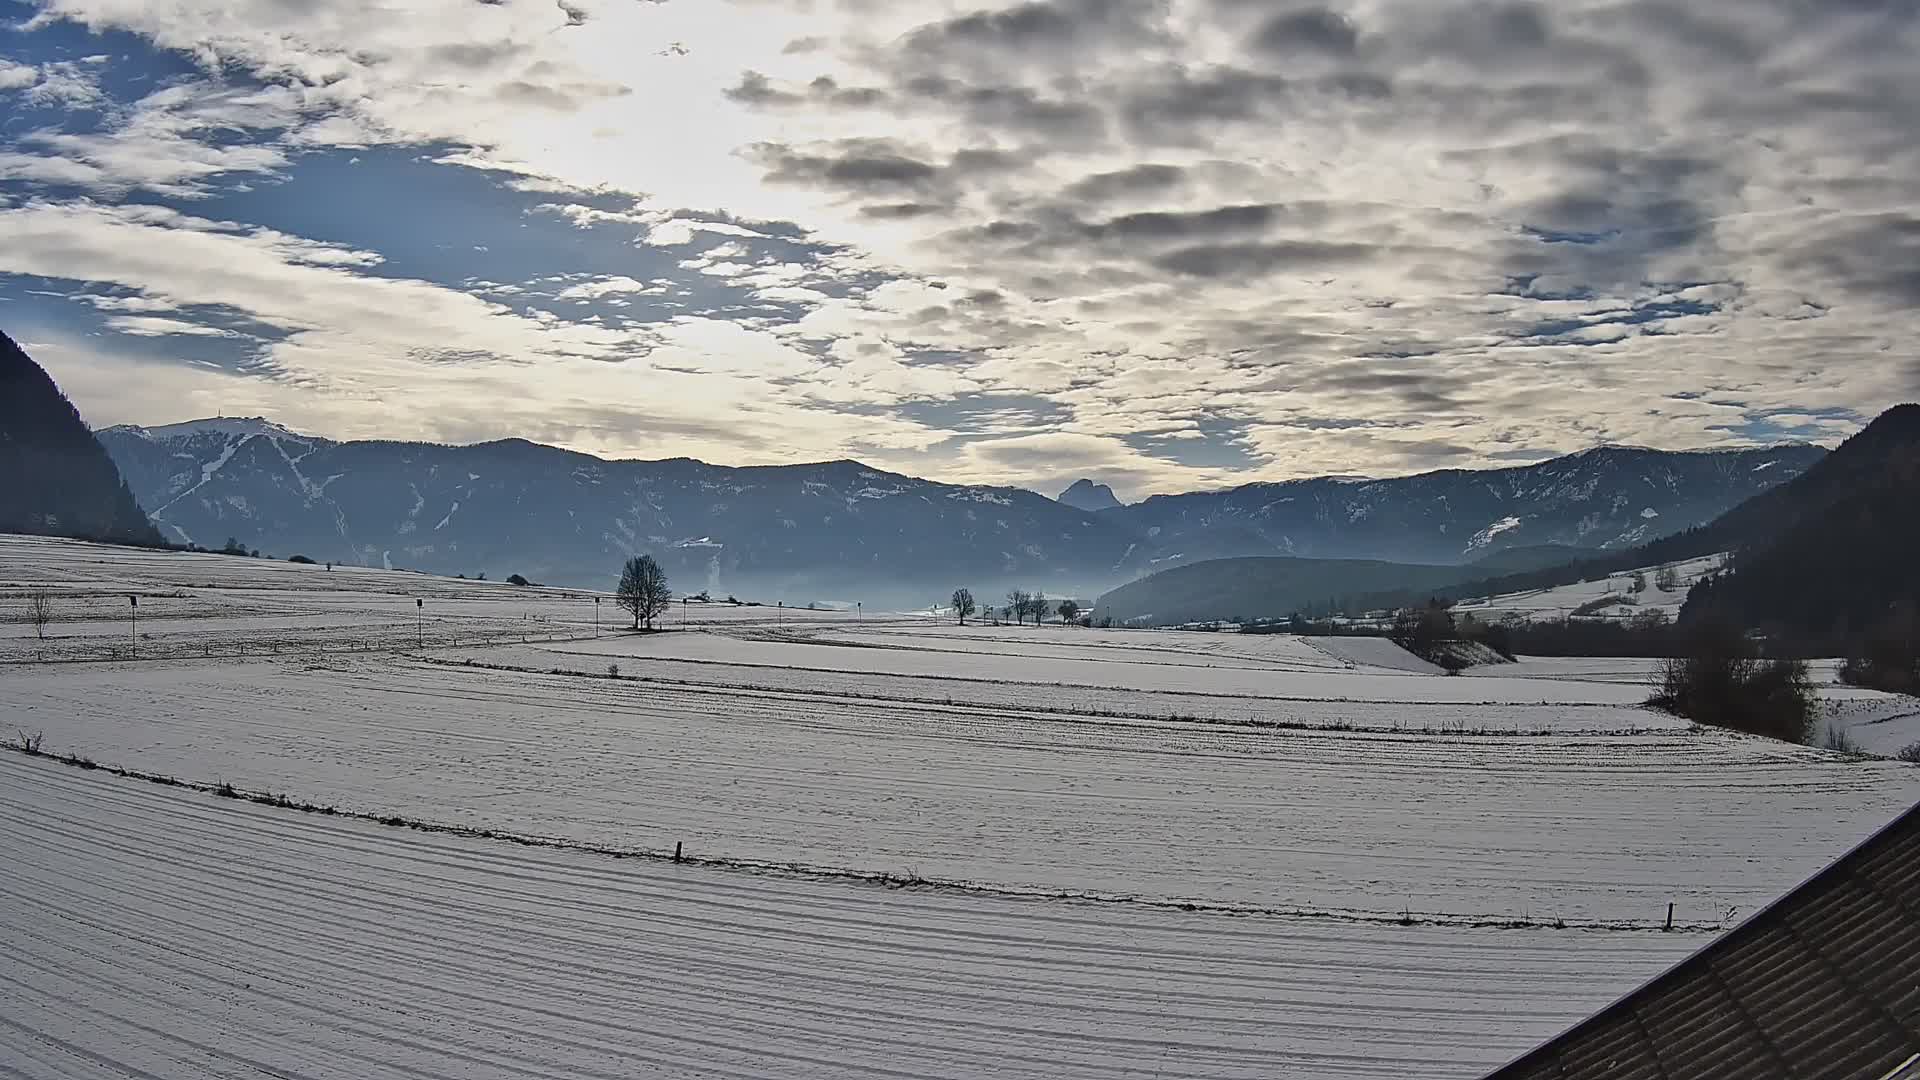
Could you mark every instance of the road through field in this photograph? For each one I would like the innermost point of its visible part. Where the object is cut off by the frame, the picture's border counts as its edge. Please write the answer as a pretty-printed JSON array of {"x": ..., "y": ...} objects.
[{"x": 157, "y": 932}]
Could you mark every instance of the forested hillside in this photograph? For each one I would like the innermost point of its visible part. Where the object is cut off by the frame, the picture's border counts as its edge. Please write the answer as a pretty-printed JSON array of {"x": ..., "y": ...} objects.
[{"x": 55, "y": 479}]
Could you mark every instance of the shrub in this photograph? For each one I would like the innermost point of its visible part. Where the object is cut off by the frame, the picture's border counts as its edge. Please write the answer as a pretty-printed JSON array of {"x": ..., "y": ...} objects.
[
  {"x": 613, "y": 671},
  {"x": 30, "y": 744},
  {"x": 1888, "y": 658},
  {"x": 516, "y": 579},
  {"x": 1910, "y": 753},
  {"x": 302, "y": 559},
  {"x": 1601, "y": 603},
  {"x": 1837, "y": 739},
  {"x": 1721, "y": 680}
]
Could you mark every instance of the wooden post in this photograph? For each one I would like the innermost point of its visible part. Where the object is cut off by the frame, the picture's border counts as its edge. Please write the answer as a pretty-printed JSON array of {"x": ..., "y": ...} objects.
[
  {"x": 676, "y": 851},
  {"x": 1669, "y": 925}
]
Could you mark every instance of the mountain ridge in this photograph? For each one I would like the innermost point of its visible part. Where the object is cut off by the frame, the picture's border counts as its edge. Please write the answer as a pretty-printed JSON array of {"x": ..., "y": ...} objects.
[
  {"x": 842, "y": 528},
  {"x": 1084, "y": 494}
]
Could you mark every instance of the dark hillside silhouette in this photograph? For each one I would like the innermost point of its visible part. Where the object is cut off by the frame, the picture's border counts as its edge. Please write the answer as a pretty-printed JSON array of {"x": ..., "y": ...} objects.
[
  {"x": 55, "y": 478},
  {"x": 1829, "y": 557}
]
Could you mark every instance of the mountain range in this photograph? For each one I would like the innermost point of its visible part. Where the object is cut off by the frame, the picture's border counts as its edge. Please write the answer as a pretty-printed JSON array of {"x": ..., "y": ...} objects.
[{"x": 844, "y": 530}]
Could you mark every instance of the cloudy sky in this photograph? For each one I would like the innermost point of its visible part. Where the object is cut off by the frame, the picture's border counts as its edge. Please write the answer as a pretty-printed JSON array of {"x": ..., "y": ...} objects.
[{"x": 1165, "y": 243}]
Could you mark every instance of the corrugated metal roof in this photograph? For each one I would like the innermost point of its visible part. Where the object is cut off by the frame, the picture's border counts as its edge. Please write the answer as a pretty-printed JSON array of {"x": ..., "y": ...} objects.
[{"x": 1824, "y": 983}]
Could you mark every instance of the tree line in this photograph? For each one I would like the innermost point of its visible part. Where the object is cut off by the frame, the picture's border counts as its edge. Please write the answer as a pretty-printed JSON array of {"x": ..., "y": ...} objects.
[{"x": 1021, "y": 606}]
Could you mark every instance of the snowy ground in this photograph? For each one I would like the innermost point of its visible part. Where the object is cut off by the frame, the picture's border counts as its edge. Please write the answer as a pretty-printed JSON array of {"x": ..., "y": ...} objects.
[
  {"x": 197, "y": 605},
  {"x": 154, "y": 932},
  {"x": 1086, "y": 806},
  {"x": 1560, "y": 602}
]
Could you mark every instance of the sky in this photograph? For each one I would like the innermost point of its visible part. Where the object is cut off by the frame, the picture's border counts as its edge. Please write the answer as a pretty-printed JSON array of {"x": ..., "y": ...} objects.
[{"x": 1166, "y": 244}]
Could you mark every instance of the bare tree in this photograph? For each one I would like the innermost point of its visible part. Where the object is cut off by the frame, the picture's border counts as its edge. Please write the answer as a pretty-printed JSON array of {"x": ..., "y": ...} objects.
[
  {"x": 40, "y": 613},
  {"x": 1018, "y": 603},
  {"x": 963, "y": 604},
  {"x": 1069, "y": 611},
  {"x": 1667, "y": 579},
  {"x": 643, "y": 590},
  {"x": 1037, "y": 606}
]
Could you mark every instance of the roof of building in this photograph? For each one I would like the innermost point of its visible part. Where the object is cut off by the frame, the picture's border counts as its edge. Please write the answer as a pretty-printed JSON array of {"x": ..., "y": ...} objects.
[{"x": 1825, "y": 982}]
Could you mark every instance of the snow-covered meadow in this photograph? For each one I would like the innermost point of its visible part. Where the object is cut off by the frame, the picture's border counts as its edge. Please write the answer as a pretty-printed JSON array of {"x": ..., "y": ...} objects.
[
  {"x": 1562, "y": 601},
  {"x": 1127, "y": 852}
]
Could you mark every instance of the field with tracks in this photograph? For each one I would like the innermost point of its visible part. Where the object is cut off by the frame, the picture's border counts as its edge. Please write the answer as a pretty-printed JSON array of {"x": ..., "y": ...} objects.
[{"x": 446, "y": 842}]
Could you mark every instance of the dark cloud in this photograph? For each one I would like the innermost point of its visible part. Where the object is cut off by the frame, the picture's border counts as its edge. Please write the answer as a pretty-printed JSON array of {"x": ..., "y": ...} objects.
[
  {"x": 901, "y": 211},
  {"x": 826, "y": 89},
  {"x": 1012, "y": 108},
  {"x": 1181, "y": 105},
  {"x": 477, "y": 55},
  {"x": 859, "y": 165},
  {"x": 984, "y": 161},
  {"x": 1140, "y": 180},
  {"x": 1160, "y": 225},
  {"x": 1876, "y": 254},
  {"x": 1047, "y": 27},
  {"x": 1255, "y": 260},
  {"x": 754, "y": 88},
  {"x": 1311, "y": 30}
]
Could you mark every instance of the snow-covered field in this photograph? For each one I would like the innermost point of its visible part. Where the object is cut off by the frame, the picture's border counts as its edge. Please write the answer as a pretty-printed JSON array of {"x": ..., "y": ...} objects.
[
  {"x": 1560, "y": 602},
  {"x": 152, "y": 932},
  {"x": 198, "y": 605},
  {"x": 1313, "y": 674},
  {"x": 1138, "y": 852}
]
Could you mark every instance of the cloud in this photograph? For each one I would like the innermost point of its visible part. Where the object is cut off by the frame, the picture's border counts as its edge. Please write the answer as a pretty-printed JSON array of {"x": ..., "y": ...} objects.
[
  {"x": 1315, "y": 30},
  {"x": 1326, "y": 235},
  {"x": 607, "y": 286}
]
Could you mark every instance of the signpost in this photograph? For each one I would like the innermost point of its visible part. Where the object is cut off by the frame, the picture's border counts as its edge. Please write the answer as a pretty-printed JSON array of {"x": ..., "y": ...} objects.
[
  {"x": 133, "y": 605},
  {"x": 420, "y": 622}
]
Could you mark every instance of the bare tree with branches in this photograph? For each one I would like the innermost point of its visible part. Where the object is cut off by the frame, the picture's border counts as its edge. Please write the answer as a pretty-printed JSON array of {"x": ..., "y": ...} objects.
[
  {"x": 1017, "y": 604},
  {"x": 40, "y": 612},
  {"x": 643, "y": 590}
]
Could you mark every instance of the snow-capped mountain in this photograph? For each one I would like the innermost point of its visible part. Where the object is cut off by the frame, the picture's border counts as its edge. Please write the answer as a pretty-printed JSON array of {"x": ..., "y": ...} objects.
[
  {"x": 832, "y": 530},
  {"x": 1605, "y": 498},
  {"x": 843, "y": 530}
]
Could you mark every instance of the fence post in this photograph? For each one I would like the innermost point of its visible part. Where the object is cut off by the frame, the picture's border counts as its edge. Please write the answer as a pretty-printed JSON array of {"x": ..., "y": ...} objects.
[{"x": 1669, "y": 925}]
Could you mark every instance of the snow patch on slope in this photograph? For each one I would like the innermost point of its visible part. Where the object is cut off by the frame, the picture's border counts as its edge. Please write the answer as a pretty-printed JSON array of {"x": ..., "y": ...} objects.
[{"x": 1485, "y": 536}]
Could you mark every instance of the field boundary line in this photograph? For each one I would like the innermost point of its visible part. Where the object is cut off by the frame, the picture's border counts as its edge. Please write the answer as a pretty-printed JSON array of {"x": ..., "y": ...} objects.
[{"x": 874, "y": 878}]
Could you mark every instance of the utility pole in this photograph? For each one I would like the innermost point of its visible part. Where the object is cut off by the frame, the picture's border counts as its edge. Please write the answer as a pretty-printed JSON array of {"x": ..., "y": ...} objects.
[
  {"x": 133, "y": 605},
  {"x": 420, "y": 622},
  {"x": 596, "y": 616}
]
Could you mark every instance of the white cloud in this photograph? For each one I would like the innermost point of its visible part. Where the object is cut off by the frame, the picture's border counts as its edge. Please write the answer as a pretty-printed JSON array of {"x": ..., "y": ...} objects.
[
  {"x": 1365, "y": 250},
  {"x": 607, "y": 286},
  {"x": 16, "y": 76}
]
